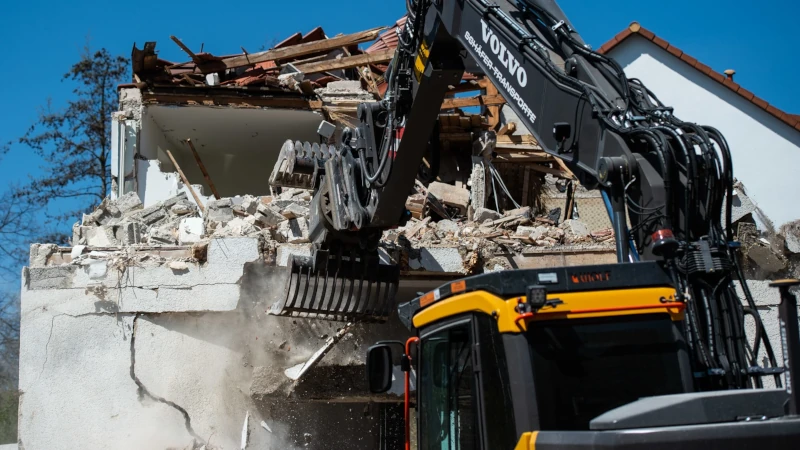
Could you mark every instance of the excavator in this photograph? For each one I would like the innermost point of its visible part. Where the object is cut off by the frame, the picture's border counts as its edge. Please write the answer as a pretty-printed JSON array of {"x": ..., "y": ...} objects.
[{"x": 647, "y": 353}]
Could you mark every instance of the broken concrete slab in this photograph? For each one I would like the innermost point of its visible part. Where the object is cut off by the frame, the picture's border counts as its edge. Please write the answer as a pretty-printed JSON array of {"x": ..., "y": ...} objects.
[
  {"x": 129, "y": 203},
  {"x": 152, "y": 216},
  {"x": 164, "y": 234},
  {"x": 190, "y": 230},
  {"x": 293, "y": 231},
  {"x": 286, "y": 251},
  {"x": 453, "y": 196},
  {"x": 98, "y": 236},
  {"x": 791, "y": 235},
  {"x": 128, "y": 233},
  {"x": 447, "y": 227},
  {"x": 220, "y": 210},
  {"x": 39, "y": 254},
  {"x": 267, "y": 216},
  {"x": 575, "y": 228},
  {"x": 483, "y": 214},
  {"x": 438, "y": 259}
]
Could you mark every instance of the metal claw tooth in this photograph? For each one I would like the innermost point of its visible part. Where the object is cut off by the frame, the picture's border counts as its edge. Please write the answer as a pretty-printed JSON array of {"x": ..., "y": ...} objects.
[
  {"x": 315, "y": 151},
  {"x": 307, "y": 150}
]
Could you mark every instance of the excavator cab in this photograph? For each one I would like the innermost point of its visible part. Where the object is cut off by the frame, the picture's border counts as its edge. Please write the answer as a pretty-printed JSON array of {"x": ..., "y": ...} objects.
[{"x": 575, "y": 358}]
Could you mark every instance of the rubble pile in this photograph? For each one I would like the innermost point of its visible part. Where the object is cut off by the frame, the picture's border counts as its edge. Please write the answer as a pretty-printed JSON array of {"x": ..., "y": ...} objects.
[{"x": 177, "y": 221}]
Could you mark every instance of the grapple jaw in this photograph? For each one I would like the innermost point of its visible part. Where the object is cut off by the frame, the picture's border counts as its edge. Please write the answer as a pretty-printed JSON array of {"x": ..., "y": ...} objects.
[
  {"x": 299, "y": 164},
  {"x": 341, "y": 286}
]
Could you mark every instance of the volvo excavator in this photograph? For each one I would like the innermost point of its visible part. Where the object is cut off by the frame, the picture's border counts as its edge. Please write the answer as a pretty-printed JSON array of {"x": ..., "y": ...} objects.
[{"x": 647, "y": 353}]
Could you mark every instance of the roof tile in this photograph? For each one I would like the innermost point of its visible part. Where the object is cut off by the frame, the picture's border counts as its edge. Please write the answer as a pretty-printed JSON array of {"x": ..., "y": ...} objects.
[
  {"x": 689, "y": 60},
  {"x": 675, "y": 50},
  {"x": 745, "y": 93},
  {"x": 774, "y": 111},
  {"x": 731, "y": 84},
  {"x": 660, "y": 42},
  {"x": 636, "y": 28},
  {"x": 760, "y": 102}
]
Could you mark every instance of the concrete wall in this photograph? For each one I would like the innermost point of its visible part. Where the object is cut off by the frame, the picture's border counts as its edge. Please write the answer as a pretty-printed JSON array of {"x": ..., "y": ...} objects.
[
  {"x": 766, "y": 151},
  {"x": 238, "y": 146},
  {"x": 129, "y": 351}
]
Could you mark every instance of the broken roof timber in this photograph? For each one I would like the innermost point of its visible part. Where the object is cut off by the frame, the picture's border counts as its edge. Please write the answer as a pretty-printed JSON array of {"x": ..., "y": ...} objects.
[
  {"x": 293, "y": 51},
  {"x": 347, "y": 62},
  {"x": 200, "y": 98}
]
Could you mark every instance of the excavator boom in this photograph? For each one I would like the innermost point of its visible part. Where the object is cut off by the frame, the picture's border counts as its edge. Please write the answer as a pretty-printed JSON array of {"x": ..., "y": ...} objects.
[{"x": 666, "y": 178}]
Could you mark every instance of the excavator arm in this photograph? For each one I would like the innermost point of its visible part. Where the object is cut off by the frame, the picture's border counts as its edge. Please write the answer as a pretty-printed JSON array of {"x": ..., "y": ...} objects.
[{"x": 666, "y": 178}]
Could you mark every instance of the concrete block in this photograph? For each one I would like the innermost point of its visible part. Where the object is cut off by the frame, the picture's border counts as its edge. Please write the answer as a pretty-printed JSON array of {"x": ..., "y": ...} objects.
[
  {"x": 525, "y": 211},
  {"x": 294, "y": 231},
  {"x": 483, "y": 214},
  {"x": 39, "y": 253},
  {"x": 129, "y": 233},
  {"x": 152, "y": 216},
  {"x": 190, "y": 230},
  {"x": 128, "y": 203},
  {"x": 102, "y": 236},
  {"x": 285, "y": 251},
  {"x": 445, "y": 227},
  {"x": 295, "y": 210},
  {"x": 576, "y": 228},
  {"x": 250, "y": 204},
  {"x": 234, "y": 251},
  {"x": 450, "y": 195},
  {"x": 766, "y": 259},
  {"x": 57, "y": 277},
  {"x": 266, "y": 216},
  {"x": 165, "y": 234},
  {"x": 438, "y": 259},
  {"x": 791, "y": 233}
]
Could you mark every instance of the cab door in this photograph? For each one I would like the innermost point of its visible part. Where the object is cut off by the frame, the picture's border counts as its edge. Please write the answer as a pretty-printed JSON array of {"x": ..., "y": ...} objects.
[
  {"x": 446, "y": 403},
  {"x": 463, "y": 394}
]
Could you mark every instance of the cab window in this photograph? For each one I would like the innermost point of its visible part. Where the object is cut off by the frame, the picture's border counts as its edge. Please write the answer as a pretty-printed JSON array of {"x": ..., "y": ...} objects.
[{"x": 447, "y": 392}]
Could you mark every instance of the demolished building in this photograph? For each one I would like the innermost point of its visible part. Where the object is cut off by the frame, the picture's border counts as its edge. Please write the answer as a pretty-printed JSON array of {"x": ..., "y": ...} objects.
[{"x": 153, "y": 329}]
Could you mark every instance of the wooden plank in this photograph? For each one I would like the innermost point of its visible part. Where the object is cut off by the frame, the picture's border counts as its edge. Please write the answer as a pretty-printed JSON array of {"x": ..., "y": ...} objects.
[
  {"x": 186, "y": 49},
  {"x": 466, "y": 102},
  {"x": 550, "y": 170},
  {"x": 565, "y": 168},
  {"x": 493, "y": 111},
  {"x": 203, "y": 169},
  {"x": 347, "y": 62},
  {"x": 295, "y": 102},
  {"x": 508, "y": 128},
  {"x": 517, "y": 139},
  {"x": 186, "y": 182},
  {"x": 294, "y": 51}
]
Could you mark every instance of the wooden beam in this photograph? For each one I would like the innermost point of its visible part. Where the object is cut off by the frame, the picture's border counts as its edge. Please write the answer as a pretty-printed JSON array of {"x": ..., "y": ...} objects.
[
  {"x": 347, "y": 62},
  {"x": 565, "y": 168},
  {"x": 186, "y": 182},
  {"x": 185, "y": 49},
  {"x": 517, "y": 139},
  {"x": 203, "y": 169},
  {"x": 467, "y": 86},
  {"x": 294, "y": 102},
  {"x": 293, "y": 51},
  {"x": 508, "y": 128},
  {"x": 466, "y": 102}
]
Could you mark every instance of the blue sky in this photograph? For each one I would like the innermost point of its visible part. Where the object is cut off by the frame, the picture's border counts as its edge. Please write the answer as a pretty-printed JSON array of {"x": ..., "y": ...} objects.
[{"x": 43, "y": 38}]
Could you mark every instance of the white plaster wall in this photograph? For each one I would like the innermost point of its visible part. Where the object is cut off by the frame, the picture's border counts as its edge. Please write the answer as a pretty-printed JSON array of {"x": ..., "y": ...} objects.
[
  {"x": 766, "y": 151},
  {"x": 102, "y": 354},
  {"x": 238, "y": 147}
]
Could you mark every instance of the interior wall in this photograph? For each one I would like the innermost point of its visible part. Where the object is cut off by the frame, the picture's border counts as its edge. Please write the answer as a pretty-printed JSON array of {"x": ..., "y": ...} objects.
[{"x": 238, "y": 146}]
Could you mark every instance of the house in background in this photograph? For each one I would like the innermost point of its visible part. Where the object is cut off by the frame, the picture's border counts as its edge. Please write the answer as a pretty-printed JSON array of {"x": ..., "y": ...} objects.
[{"x": 764, "y": 141}]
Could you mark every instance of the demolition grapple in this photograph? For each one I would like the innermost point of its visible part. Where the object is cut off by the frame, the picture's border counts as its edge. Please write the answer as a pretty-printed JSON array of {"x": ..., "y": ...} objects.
[{"x": 344, "y": 279}]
